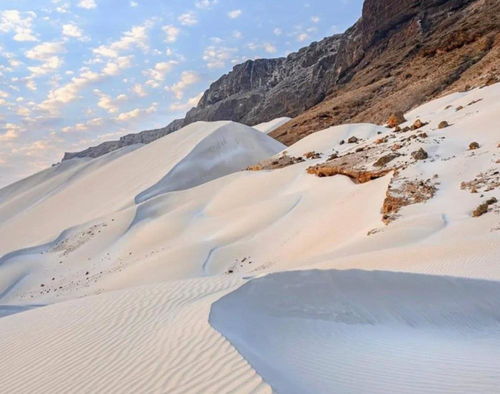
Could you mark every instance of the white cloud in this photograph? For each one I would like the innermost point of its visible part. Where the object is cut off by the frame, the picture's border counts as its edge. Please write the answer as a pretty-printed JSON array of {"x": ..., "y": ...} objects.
[
  {"x": 269, "y": 48},
  {"x": 87, "y": 4},
  {"x": 47, "y": 53},
  {"x": 60, "y": 96},
  {"x": 190, "y": 103},
  {"x": 234, "y": 14},
  {"x": 19, "y": 23},
  {"x": 277, "y": 31},
  {"x": 266, "y": 46},
  {"x": 70, "y": 30},
  {"x": 315, "y": 19},
  {"x": 133, "y": 4},
  {"x": 45, "y": 50},
  {"x": 205, "y": 4},
  {"x": 109, "y": 104},
  {"x": 137, "y": 36},
  {"x": 31, "y": 85},
  {"x": 188, "y": 19},
  {"x": 138, "y": 89},
  {"x": 135, "y": 113},
  {"x": 10, "y": 132},
  {"x": 172, "y": 33},
  {"x": 187, "y": 79},
  {"x": 68, "y": 92},
  {"x": 302, "y": 37},
  {"x": 63, "y": 8},
  {"x": 159, "y": 71},
  {"x": 129, "y": 115},
  {"x": 91, "y": 123},
  {"x": 114, "y": 67},
  {"x": 216, "y": 57}
]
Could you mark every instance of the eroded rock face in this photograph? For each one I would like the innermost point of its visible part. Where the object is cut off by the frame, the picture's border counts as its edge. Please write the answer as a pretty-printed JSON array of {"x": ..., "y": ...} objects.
[
  {"x": 261, "y": 90},
  {"x": 358, "y": 176}
]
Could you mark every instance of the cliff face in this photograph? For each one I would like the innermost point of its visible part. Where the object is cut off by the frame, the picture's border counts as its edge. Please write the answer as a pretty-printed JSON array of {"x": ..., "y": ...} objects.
[{"x": 261, "y": 90}]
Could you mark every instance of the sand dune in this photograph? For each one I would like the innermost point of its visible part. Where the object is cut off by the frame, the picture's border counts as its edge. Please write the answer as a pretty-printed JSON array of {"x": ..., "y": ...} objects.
[
  {"x": 146, "y": 339},
  {"x": 109, "y": 266},
  {"x": 267, "y": 127},
  {"x": 360, "y": 331}
]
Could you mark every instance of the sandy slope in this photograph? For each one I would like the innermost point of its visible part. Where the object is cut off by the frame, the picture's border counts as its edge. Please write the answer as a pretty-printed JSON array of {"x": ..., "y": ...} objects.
[
  {"x": 361, "y": 331},
  {"x": 117, "y": 179},
  {"x": 130, "y": 250},
  {"x": 267, "y": 127},
  {"x": 143, "y": 340}
]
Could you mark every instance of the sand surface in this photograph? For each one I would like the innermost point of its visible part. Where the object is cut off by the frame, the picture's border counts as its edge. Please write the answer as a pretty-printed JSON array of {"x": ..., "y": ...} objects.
[{"x": 169, "y": 268}]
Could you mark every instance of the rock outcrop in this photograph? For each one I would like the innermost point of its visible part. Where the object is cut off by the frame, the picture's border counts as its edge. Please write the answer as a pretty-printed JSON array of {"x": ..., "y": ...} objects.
[
  {"x": 144, "y": 137},
  {"x": 264, "y": 89}
]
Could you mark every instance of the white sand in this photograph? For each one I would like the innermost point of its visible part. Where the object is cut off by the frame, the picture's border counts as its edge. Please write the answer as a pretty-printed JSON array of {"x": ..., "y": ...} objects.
[
  {"x": 131, "y": 250},
  {"x": 272, "y": 125}
]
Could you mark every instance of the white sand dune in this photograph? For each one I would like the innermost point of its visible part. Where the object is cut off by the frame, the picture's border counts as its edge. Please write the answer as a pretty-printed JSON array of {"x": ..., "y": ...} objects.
[
  {"x": 117, "y": 179},
  {"x": 130, "y": 250},
  {"x": 145, "y": 339},
  {"x": 267, "y": 127},
  {"x": 361, "y": 331}
]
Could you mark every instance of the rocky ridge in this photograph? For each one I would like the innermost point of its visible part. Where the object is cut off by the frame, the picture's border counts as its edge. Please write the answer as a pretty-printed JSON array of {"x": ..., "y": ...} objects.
[{"x": 144, "y": 137}]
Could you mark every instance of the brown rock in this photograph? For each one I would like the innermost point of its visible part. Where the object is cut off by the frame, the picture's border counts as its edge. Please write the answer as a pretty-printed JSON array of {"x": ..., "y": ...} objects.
[
  {"x": 420, "y": 154},
  {"x": 473, "y": 145},
  {"x": 396, "y": 147},
  {"x": 443, "y": 124},
  {"x": 358, "y": 176},
  {"x": 418, "y": 124},
  {"x": 312, "y": 155},
  {"x": 352, "y": 140},
  {"x": 491, "y": 201},
  {"x": 411, "y": 192},
  {"x": 480, "y": 210},
  {"x": 395, "y": 119},
  {"x": 385, "y": 159}
]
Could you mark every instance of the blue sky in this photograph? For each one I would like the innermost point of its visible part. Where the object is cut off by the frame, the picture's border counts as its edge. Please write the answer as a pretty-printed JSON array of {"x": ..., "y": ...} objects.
[{"x": 74, "y": 73}]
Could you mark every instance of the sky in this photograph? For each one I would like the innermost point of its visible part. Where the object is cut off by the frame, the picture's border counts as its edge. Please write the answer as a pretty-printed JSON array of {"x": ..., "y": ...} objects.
[{"x": 74, "y": 73}]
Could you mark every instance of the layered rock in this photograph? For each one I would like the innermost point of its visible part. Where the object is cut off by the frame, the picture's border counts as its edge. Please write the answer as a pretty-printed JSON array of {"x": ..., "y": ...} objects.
[{"x": 261, "y": 90}]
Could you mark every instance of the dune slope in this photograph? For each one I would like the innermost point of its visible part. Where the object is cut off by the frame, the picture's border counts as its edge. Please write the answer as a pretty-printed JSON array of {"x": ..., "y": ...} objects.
[{"x": 109, "y": 267}]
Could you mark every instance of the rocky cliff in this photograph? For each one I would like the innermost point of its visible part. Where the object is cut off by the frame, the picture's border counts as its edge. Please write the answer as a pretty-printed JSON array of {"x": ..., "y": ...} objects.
[
  {"x": 401, "y": 54},
  {"x": 261, "y": 90}
]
